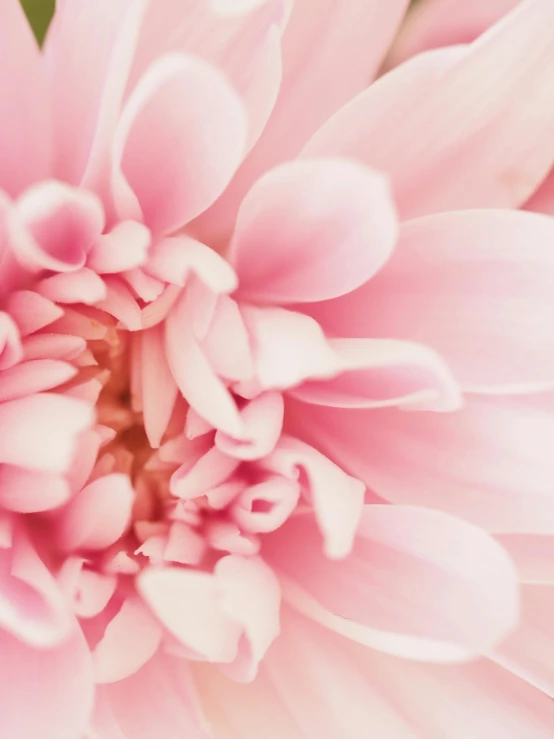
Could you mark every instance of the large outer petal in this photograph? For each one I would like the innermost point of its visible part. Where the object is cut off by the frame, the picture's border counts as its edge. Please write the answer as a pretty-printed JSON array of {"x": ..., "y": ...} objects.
[
  {"x": 490, "y": 463},
  {"x": 475, "y": 286},
  {"x": 418, "y": 584},
  {"x": 315, "y": 684},
  {"x": 24, "y": 120},
  {"x": 477, "y": 132},
  {"x": 45, "y": 693}
]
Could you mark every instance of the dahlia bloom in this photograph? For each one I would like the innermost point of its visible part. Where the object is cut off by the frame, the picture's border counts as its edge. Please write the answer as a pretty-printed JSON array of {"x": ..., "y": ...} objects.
[{"x": 276, "y": 374}]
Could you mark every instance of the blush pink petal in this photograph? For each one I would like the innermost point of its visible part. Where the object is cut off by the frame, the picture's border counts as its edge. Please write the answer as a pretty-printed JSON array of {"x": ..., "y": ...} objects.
[
  {"x": 87, "y": 591},
  {"x": 227, "y": 343},
  {"x": 92, "y": 42},
  {"x": 31, "y": 311},
  {"x": 58, "y": 686},
  {"x": 389, "y": 593},
  {"x": 479, "y": 149},
  {"x": 53, "y": 226},
  {"x": 331, "y": 51},
  {"x": 53, "y": 346},
  {"x": 200, "y": 130},
  {"x": 435, "y": 23},
  {"x": 211, "y": 470},
  {"x": 34, "y": 376},
  {"x": 131, "y": 638},
  {"x": 473, "y": 266},
  {"x": 130, "y": 709},
  {"x": 11, "y": 351},
  {"x": 158, "y": 388},
  {"x": 378, "y": 372},
  {"x": 121, "y": 304},
  {"x": 337, "y": 498},
  {"x": 30, "y": 491},
  {"x": 495, "y": 467},
  {"x": 29, "y": 437},
  {"x": 263, "y": 422},
  {"x": 82, "y": 286},
  {"x": 312, "y": 230},
  {"x": 533, "y": 555},
  {"x": 32, "y": 606},
  {"x": 124, "y": 247},
  {"x": 529, "y": 651},
  {"x": 243, "y": 43},
  {"x": 99, "y": 515},
  {"x": 265, "y": 506},
  {"x": 25, "y": 124},
  {"x": 196, "y": 379}
]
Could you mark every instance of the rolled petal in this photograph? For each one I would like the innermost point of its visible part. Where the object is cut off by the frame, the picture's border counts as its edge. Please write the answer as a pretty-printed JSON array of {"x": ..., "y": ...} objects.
[
  {"x": 473, "y": 149},
  {"x": 474, "y": 286},
  {"x": 312, "y": 230},
  {"x": 179, "y": 141},
  {"x": 418, "y": 584},
  {"x": 263, "y": 422}
]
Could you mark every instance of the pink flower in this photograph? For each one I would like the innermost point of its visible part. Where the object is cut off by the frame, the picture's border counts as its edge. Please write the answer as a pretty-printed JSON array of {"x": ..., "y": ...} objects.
[{"x": 275, "y": 375}]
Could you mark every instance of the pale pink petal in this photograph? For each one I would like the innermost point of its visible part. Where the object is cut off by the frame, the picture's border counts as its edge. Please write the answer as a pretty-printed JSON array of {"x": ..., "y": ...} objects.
[
  {"x": 194, "y": 376},
  {"x": 131, "y": 638},
  {"x": 475, "y": 286},
  {"x": 225, "y": 536},
  {"x": 308, "y": 686},
  {"x": 146, "y": 287},
  {"x": 432, "y": 24},
  {"x": 121, "y": 304},
  {"x": 251, "y": 596},
  {"x": 25, "y": 128},
  {"x": 243, "y": 43},
  {"x": 28, "y": 491},
  {"x": 418, "y": 583},
  {"x": 32, "y": 606},
  {"x": 175, "y": 258},
  {"x": 533, "y": 555},
  {"x": 199, "y": 134},
  {"x": 189, "y": 604},
  {"x": 332, "y": 49},
  {"x": 88, "y": 50},
  {"x": 184, "y": 545},
  {"x": 263, "y": 422},
  {"x": 490, "y": 463},
  {"x": 39, "y": 432},
  {"x": 227, "y": 344},
  {"x": 529, "y": 651},
  {"x": 542, "y": 200},
  {"x": 212, "y": 469},
  {"x": 31, "y": 311},
  {"x": 445, "y": 151},
  {"x": 57, "y": 684},
  {"x": 159, "y": 390},
  {"x": 312, "y": 230},
  {"x": 124, "y": 247},
  {"x": 265, "y": 506},
  {"x": 158, "y": 700},
  {"x": 99, "y": 515},
  {"x": 87, "y": 591},
  {"x": 337, "y": 498},
  {"x": 53, "y": 226},
  {"x": 53, "y": 346},
  {"x": 82, "y": 286},
  {"x": 11, "y": 351},
  {"x": 34, "y": 377},
  {"x": 379, "y": 372}
]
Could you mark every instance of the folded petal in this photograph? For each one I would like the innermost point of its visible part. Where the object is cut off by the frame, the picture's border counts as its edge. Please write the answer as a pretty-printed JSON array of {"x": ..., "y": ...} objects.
[
  {"x": 124, "y": 247},
  {"x": 312, "y": 230},
  {"x": 418, "y": 584},
  {"x": 475, "y": 286},
  {"x": 463, "y": 142},
  {"x": 25, "y": 126},
  {"x": 263, "y": 422},
  {"x": 490, "y": 463},
  {"x": 56, "y": 683},
  {"x": 39, "y": 432},
  {"x": 180, "y": 139}
]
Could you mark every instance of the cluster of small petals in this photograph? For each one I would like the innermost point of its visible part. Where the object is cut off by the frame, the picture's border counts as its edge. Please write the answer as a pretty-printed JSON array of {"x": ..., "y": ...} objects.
[{"x": 275, "y": 376}]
